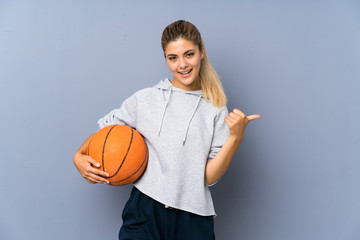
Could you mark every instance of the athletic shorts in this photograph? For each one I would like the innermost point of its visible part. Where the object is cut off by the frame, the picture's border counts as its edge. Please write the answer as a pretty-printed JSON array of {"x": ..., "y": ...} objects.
[{"x": 146, "y": 219}]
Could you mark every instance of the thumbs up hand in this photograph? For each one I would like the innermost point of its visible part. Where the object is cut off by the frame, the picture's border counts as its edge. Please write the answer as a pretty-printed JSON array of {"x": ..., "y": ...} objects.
[{"x": 237, "y": 122}]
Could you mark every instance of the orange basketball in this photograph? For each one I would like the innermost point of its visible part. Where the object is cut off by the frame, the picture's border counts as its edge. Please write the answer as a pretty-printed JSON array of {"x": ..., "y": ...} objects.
[{"x": 121, "y": 151}]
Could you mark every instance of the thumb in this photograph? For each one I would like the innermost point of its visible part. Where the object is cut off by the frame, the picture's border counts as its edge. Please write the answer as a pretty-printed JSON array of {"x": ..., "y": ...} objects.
[
  {"x": 252, "y": 117},
  {"x": 93, "y": 162}
]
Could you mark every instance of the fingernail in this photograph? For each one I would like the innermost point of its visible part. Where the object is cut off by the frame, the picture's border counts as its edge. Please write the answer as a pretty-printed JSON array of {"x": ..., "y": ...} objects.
[{"x": 98, "y": 165}]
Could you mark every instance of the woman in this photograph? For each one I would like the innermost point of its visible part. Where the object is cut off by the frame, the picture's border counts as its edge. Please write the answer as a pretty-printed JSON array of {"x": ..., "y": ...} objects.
[{"x": 191, "y": 139}]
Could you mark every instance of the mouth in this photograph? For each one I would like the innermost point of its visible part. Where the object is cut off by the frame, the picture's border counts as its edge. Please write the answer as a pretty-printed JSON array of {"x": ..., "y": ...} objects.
[{"x": 185, "y": 74}]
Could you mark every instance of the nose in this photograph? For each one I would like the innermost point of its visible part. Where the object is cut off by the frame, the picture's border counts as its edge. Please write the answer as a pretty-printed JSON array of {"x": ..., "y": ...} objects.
[{"x": 182, "y": 63}]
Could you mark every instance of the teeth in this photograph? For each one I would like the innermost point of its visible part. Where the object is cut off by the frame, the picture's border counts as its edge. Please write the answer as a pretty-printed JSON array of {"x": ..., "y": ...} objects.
[{"x": 183, "y": 73}]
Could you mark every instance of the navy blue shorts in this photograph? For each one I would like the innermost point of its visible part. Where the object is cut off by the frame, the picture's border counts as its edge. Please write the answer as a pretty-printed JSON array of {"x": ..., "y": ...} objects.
[{"x": 146, "y": 219}]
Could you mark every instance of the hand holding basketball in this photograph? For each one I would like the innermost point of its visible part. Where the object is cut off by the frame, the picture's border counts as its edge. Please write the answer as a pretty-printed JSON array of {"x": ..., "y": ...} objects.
[
  {"x": 120, "y": 151},
  {"x": 85, "y": 164},
  {"x": 237, "y": 122}
]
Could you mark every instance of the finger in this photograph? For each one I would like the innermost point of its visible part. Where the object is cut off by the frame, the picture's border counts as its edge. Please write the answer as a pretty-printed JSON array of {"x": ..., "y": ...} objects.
[
  {"x": 89, "y": 181},
  {"x": 100, "y": 173},
  {"x": 235, "y": 115},
  {"x": 95, "y": 175},
  {"x": 226, "y": 120},
  {"x": 237, "y": 111},
  {"x": 96, "y": 171},
  {"x": 253, "y": 117},
  {"x": 230, "y": 120},
  {"x": 97, "y": 179},
  {"x": 93, "y": 181},
  {"x": 93, "y": 162}
]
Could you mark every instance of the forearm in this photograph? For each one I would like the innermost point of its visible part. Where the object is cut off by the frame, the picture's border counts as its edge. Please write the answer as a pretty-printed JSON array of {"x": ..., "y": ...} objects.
[{"x": 217, "y": 166}]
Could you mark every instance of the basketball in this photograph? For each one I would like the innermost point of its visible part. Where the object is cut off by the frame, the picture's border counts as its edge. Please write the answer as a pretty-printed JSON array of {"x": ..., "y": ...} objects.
[{"x": 121, "y": 151}]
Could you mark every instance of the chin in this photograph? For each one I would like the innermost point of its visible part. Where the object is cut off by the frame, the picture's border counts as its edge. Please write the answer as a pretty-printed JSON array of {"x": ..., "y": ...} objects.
[{"x": 187, "y": 82}]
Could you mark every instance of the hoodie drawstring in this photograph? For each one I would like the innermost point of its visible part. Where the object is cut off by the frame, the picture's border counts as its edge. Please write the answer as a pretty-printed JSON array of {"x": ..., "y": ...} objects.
[
  {"x": 192, "y": 115},
  {"x": 166, "y": 104}
]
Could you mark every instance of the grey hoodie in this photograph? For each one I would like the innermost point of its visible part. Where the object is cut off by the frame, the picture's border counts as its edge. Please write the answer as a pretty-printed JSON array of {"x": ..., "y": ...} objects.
[{"x": 183, "y": 131}]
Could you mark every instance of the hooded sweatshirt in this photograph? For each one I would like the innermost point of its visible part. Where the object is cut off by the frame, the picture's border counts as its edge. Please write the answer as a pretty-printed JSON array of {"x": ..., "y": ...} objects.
[{"x": 183, "y": 131}]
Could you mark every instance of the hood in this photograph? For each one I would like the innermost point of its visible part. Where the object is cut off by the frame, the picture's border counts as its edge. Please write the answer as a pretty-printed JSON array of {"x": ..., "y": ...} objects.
[{"x": 166, "y": 85}]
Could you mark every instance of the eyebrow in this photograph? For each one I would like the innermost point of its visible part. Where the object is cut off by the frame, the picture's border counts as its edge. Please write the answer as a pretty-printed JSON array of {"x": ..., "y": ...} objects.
[{"x": 174, "y": 55}]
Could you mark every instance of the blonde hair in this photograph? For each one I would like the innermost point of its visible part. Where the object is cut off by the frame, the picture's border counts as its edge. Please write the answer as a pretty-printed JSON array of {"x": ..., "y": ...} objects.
[{"x": 209, "y": 80}]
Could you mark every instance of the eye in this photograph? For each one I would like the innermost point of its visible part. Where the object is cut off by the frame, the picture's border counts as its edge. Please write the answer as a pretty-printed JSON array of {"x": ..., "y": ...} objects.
[
  {"x": 190, "y": 54},
  {"x": 171, "y": 58}
]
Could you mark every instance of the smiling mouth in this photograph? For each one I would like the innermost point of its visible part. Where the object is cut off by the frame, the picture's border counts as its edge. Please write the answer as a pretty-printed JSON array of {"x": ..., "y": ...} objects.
[{"x": 185, "y": 73}]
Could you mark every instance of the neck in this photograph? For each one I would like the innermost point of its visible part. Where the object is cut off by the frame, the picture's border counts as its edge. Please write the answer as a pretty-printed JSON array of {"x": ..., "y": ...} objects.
[{"x": 195, "y": 86}]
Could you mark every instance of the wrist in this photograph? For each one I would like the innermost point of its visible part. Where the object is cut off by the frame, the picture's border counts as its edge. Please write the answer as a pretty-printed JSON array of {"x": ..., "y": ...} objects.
[
  {"x": 235, "y": 139},
  {"x": 77, "y": 155}
]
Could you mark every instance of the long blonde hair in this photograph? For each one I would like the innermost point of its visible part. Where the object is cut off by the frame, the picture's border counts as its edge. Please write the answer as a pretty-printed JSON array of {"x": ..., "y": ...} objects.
[{"x": 209, "y": 80}]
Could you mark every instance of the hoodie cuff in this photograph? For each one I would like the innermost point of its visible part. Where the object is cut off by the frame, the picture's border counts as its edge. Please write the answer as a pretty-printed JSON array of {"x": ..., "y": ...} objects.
[{"x": 212, "y": 183}]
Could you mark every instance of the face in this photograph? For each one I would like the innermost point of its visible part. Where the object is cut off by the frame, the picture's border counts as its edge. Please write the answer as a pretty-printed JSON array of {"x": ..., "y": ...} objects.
[{"x": 184, "y": 59}]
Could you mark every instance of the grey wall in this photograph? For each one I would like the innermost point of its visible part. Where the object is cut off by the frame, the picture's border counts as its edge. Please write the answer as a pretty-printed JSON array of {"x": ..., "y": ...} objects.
[{"x": 64, "y": 64}]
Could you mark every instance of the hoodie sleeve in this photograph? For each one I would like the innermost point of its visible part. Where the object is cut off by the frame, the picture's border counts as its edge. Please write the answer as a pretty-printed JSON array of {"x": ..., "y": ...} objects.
[
  {"x": 125, "y": 115},
  {"x": 220, "y": 135}
]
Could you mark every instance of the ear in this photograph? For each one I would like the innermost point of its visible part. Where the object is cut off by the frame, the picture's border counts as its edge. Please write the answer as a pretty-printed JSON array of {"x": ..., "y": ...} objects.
[{"x": 202, "y": 52}]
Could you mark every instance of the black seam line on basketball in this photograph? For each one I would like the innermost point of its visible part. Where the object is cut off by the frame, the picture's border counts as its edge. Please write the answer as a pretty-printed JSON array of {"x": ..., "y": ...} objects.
[
  {"x": 132, "y": 134},
  {"x": 103, "y": 150},
  {"x": 146, "y": 157}
]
